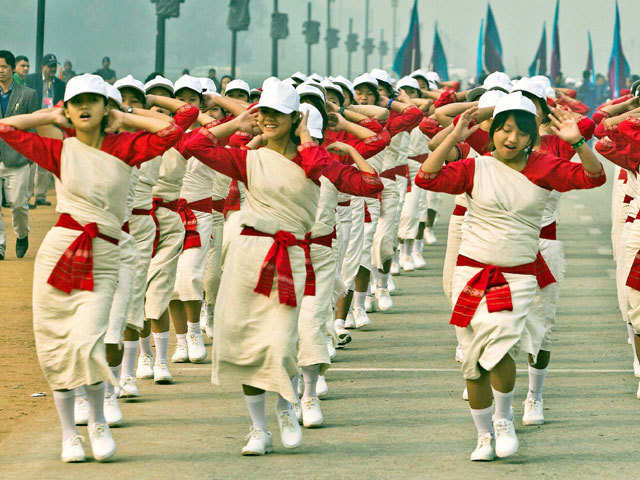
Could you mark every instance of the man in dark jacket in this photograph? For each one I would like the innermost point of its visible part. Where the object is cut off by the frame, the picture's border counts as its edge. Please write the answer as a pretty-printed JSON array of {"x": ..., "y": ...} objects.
[
  {"x": 50, "y": 90},
  {"x": 15, "y": 99}
]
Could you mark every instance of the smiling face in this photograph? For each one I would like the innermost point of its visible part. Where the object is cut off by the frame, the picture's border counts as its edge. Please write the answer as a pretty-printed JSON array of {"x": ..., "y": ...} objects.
[
  {"x": 188, "y": 96},
  {"x": 509, "y": 140},
  {"x": 365, "y": 95},
  {"x": 86, "y": 111},
  {"x": 274, "y": 125}
]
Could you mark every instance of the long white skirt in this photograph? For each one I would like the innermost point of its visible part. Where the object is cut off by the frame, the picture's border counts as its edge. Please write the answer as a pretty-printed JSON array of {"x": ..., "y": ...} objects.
[
  {"x": 353, "y": 252},
  {"x": 122, "y": 296},
  {"x": 213, "y": 268},
  {"x": 451, "y": 255},
  {"x": 143, "y": 229},
  {"x": 189, "y": 285},
  {"x": 384, "y": 238}
]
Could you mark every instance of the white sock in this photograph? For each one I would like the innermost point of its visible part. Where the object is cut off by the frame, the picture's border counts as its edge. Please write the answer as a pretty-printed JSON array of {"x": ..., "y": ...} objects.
[
  {"x": 64, "y": 405},
  {"x": 383, "y": 280},
  {"x": 181, "y": 339},
  {"x": 310, "y": 376},
  {"x": 408, "y": 247},
  {"x": 80, "y": 392},
  {"x": 536, "y": 382},
  {"x": 358, "y": 299},
  {"x": 162, "y": 345},
  {"x": 145, "y": 345},
  {"x": 194, "y": 328},
  {"x": 282, "y": 404},
  {"x": 108, "y": 388},
  {"x": 256, "y": 404},
  {"x": 482, "y": 419},
  {"x": 632, "y": 338},
  {"x": 338, "y": 323},
  {"x": 503, "y": 403},
  {"x": 95, "y": 395},
  {"x": 418, "y": 246},
  {"x": 129, "y": 358}
]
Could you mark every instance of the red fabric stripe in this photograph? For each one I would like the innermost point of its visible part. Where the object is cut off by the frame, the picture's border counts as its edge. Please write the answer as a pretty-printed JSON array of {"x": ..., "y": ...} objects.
[
  {"x": 346, "y": 203},
  {"x": 627, "y": 199},
  {"x": 459, "y": 211},
  {"x": 543, "y": 274},
  {"x": 633, "y": 279},
  {"x": 549, "y": 232},
  {"x": 367, "y": 215},
  {"x": 218, "y": 205}
]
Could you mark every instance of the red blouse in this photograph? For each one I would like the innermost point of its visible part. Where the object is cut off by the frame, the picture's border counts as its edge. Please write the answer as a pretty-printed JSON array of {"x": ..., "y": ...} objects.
[
  {"x": 403, "y": 121},
  {"x": 625, "y": 155},
  {"x": 557, "y": 147},
  {"x": 478, "y": 140},
  {"x": 430, "y": 127},
  {"x": 367, "y": 147},
  {"x": 445, "y": 98}
]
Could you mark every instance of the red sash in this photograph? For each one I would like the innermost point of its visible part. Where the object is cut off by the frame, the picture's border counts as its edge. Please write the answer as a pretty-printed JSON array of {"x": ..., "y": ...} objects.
[
  {"x": 627, "y": 199},
  {"x": 152, "y": 211},
  {"x": 489, "y": 282},
  {"x": 367, "y": 215},
  {"x": 232, "y": 202},
  {"x": 189, "y": 219},
  {"x": 633, "y": 279},
  {"x": 543, "y": 274},
  {"x": 549, "y": 232},
  {"x": 218, "y": 205},
  {"x": 459, "y": 211},
  {"x": 346, "y": 203},
  {"x": 324, "y": 240},
  {"x": 74, "y": 269}
]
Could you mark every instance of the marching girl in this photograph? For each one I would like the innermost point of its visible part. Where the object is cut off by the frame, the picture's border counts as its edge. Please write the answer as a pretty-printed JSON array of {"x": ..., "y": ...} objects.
[
  {"x": 506, "y": 194},
  {"x": 75, "y": 275}
]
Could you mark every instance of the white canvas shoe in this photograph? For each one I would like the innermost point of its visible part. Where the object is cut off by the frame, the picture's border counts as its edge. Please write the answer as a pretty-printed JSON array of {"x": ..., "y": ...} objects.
[
  {"x": 638, "y": 392},
  {"x": 383, "y": 297},
  {"x": 145, "y": 366},
  {"x": 112, "y": 413},
  {"x": 391, "y": 285},
  {"x": 344, "y": 337},
  {"x": 406, "y": 262},
  {"x": 322, "y": 389},
  {"x": 311, "y": 413},
  {"x": 360, "y": 318},
  {"x": 161, "y": 374},
  {"x": 465, "y": 394},
  {"x": 429, "y": 236},
  {"x": 349, "y": 322},
  {"x": 259, "y": 442},
  {"x": 533, "y": 412},
  {"x": 102, "y": 443},
  {"x": 128, "y": 388},
  {"x": 484, "y": 451},
  {"x": 636, "y": 368},
  {"x": 180, "y": 354},
  {"x": 290, "y": 431},
  {"x": 395, "y": 266},
  {"x": 506, "y": 438},
  {"x": 195, "y": 348},
  {"x": 459, "y": 354},
  {"x": 331, "y": 348},
  {"x": 81, "y": 411},
  {"x": 369, "y": 304},
  {"x": 417, "y": 255},
  {"x": 72, "y": 450}
]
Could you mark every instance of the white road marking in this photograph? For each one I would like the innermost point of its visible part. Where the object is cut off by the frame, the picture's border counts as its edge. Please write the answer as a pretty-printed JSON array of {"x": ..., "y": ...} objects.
[
  {"x": 586, "y": 218},
  {"x": 579, "y": 205},
  {"x": 594, "y": 231},
  {"x": 440, "y": 370},
  {"x": 604, "y": 251}
]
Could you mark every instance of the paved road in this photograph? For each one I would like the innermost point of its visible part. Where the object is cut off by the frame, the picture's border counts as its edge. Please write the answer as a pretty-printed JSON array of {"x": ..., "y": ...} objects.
[{"x": 394, "y": 409}]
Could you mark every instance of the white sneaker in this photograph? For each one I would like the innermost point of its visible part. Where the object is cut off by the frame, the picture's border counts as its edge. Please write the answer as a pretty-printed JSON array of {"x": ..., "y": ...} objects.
[
  {"x": 417, "y": 257},
  {"x": 391, "y": 285},
  {"x": 112, "y": 413},
  {"x": 72, "y": 449},
  {"x": 406, "y": 262},
  {"x": 161, "y": 374},
  {"x": 459, "y": 354},
  {"x": 506, "y": 439},
  {"x": 430, "y": 237},
  {"x": 128, "y": 388},
  {"x": 384, "y": 299},
  {"x": 344, "y": 337},
  {"x": 145, "y": 366},
  {"x": 360, "y": 318},
  {"x": 369, "y": 304},
  {"x": 290, "y": 431},
  {"x": 195, "y": 347},
  {"x": 259, "y": 442},
  {"x": 331, "y": 348},
  {"x": 81, "y": 411},
  {"x": 533, "y": 412},
  {"x": 180, "y": 354},
  {"x": 395, "y": 266},
  {"x": 311, "y": 413},
  {"x": 465, "y": 394},
  {"x": 102, "y": 443},
  {"x": 349, "y": 322},
  {"x": 484, "y": 451},
  {"x": 322, "y": 389}
]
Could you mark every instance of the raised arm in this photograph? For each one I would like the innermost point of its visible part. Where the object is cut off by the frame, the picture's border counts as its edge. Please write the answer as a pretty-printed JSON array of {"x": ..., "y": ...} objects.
[
  {"x": 372, "y": 111},
  {"x": 567, "y": 129}
]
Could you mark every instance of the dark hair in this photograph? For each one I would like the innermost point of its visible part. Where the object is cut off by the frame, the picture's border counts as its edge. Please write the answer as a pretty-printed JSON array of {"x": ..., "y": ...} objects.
[
  {"x": 546, "y": 111},
  {"x": 21, "y": 58},
  {"x": 226, "y": 76},
  {"x": 316, "y": 102},
  {"x": 586, "y": 74},
  {"x": 388, "y": 87},
  {"x": 137, "y": 93},
  {"x": 107, "y": 59},
  {"x": 9, "y": 58},
  {"x": 212, "y": 70},
  {"x": 153, "y": 75},
  {"x": 525, "y": 121}
]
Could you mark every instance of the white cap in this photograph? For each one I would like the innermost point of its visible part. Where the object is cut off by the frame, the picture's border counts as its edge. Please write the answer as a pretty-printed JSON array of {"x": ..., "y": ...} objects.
[
  {"x": 490, "y": 98},
  {"x": 408, "y": 81},
  {"x": 310, "y": 89},
  {"x": 419, "y": 73},
  {"x": 497, "y": 80},
  {"x": 314, "y": 121},
  {"x": 208, "y": 86},
  {"x": 346, "y": 83},
  {"x": 329, "y": 85},
  {"x": 315, "y": 77},
  {"x": 433, "y": 76},
  {"x": 546, "y": 85},
  {"x": 291, "y": 81},
  {"x": 238, "y": 84},
  {"x": 130, "y": 82},
  {"x": 114, "y": 94},
  {"x": 382, "y": 76},
  {"x": 159, "y": 81},
  {"x": 187, "y": 81},
  {"x": 533, "y": 87},
  {"x": 279, "y": 95},
  {"x": 364, "y": 79},
  {"x": 85, "y": 83},
  {"x": 515, "y": 101},
  {"x": 299, "y": 76}
]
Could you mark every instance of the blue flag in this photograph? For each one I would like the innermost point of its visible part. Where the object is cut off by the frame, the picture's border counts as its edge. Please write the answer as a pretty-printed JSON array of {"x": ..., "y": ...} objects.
[
  {"x": 539, "y": 64},
  {"x": 408, "y": 57},
  {"x": 618, "y": 66},
  {"x": 492, "y": 45},
  {"x": 438, "y": 57},
  {"x": 479, "y": 63},
  {"x": 556, "y": 67}
]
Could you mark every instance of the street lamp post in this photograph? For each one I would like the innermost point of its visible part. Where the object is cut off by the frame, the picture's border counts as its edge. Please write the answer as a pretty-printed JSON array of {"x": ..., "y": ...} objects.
[
  {"x": 164, "y": 9},
  {"x": 40, "y": 35}
]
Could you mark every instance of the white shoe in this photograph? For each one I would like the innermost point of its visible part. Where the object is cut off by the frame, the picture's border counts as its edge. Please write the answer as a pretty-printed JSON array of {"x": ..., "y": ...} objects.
[
  {"x": 465, "y": 394},
  {"x": 72, "y": 449},
  {"x": 430, "y": 237},
  {"x": 369, "y": 304},
  {"x": 145, "y": 366},
  {"x": 161, "y": 374},
  {"x": 311, "y": 413},
  {"x": 290, "y": 431},
  {"x": 384, "y": 299},
  {"x": 533, "y": 412},
  {"x": 360, "y": 318},
  {"x": 259, "y": 442},
  {"x": 506, "y": 439},
  {"x": 331, "y": 348},
  {"x": 322, "y": 389},
  {"x": 195, "y": 347},
  {"x": 636, "y": 368},
  {"x": 344, "y": 337},
  {"x": 395, "y": 266},
  {"x": 406, "y": 262},
  {"x": 349, "y": 322},
  {"x": 81, "y": 411},
  {"x": 102, "y": 443},
  {"x": 128, "y": 388},
  {"x": 112, "y": 413},
  {"x": 459, "y": 354},
  {"x": 180, "y": 354},
  {"x": 484, "y": 451},
  {"x": 417, "y": 257},
  {"x": 391, "y": 285}
]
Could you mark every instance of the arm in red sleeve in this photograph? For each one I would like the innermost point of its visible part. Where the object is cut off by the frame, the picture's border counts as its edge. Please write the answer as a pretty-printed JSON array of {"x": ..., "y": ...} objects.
[
  {"x": 372, "y": 124},
  {"x": 351, "y": 180},
  {"x": 586, "y": 127},
  {"x": 134, "y": 148},
  {"x": 370, "y": 146},
  {"x": 630, "y": 129},
  {"x": 403, "y": 122},
  {"x": 571, "y": 92},
  {"x": 313, "y": 159},
  {"x": 185, "y": 116},
  {"x": 430, "y": 127},
  {"x": 626, "y": 155},
  {"x": 599, "y": 116},
  {"x": 454, "y": 178},
  {"x": 574, "y": 105},
  {"x": 553, "y": 173},
  {"x": 478, "y": 140},
  {"x": 203, "y": 145},
  {"x": 41, "y": 150},
  {"x": 445, "y": 98}
]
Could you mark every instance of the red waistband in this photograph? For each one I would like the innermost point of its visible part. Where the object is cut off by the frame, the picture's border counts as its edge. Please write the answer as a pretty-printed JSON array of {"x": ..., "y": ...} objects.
[
  {"x": 125, "y": 227},
  {"x": 400, "y": 171},
  {"x": 204, "y": 205},
  {"x": 525, "y": 269},
  {"x": 549, "y": 232},
  {"x": 218, "y": 205},
  {"x": 459, "y": 211},
  {"x": 346, "y": 203},
  {"x": 141, "y": 211},
  {"x": 324, "y": 240}
]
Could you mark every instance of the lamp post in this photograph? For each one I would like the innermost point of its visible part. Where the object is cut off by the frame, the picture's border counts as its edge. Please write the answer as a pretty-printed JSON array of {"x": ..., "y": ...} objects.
[
  {"x": 40, "y": 34},
  {"x": 164, "y": 9}
]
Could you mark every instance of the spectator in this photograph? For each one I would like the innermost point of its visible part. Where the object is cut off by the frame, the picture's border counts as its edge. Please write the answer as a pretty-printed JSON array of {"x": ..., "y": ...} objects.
[
  {"x": 15, "y": 170},
  {"x": 212, "y": 76},
  {"x": 558, "y": 82},
  {"x": 588, "y": 92},
  {"x": 50, "y": 90},
  {"x": 67, "y": 72},
  {"x": 105, "y": 72},
  {"x": 21, "y": 70},
  {"x": 223, "y": 82},
  {"x": 602, "y": 88},
  {"x": 184, "y": 72}
]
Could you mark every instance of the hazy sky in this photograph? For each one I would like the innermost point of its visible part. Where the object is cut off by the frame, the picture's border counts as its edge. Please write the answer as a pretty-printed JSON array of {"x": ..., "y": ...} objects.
[{"x": 86, "y": 30}]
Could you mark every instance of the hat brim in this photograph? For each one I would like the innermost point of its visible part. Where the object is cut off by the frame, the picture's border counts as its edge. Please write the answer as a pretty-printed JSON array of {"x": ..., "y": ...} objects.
[
  {"x": 279, "y": 108},
  {"x": 315, "y": 133},
  {"x": 226, "y": 92},
  {"x": 159, "y": 85},
  {"x": 102, "y": 94}
]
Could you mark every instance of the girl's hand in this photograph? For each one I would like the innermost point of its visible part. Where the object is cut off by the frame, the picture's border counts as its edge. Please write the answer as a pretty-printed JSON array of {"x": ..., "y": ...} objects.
[
  {"x": 565, "y": 127},
  {"x": 403, "y": 97},
  {"x": 339, "y": 147},
  {"x": 332, "y": 107},
  {"x": 384, "y": 101},
  {"x": 247, "y": 121},
  {"x": 58, "y": 118},
  {"x": 462, "y": 129},
  {"x": 257, "y": 141},
  {"x": 115, "y": 122},
  {"x": 336, "y": 122},
  {"x": 150, "y": 101}
]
